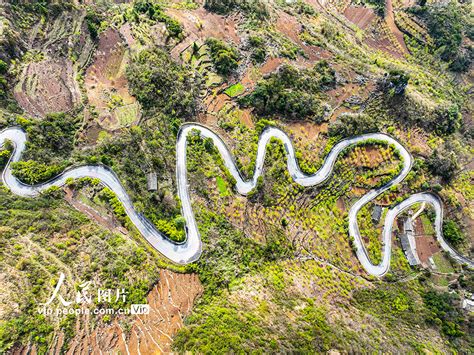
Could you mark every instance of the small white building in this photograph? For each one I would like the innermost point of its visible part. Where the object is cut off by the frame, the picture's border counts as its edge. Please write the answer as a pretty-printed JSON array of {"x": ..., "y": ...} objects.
[{"x": 152, "y": 181}]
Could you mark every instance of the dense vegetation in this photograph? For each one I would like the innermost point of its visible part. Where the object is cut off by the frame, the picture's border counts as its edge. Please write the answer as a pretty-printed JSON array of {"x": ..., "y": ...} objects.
[
  {"x": 253, "y": 8},
  {"x": 154, "y": 12},
  {"x": 257, "y": 45},
  {"x": 49, "y": 146},
  {"x": 442, "y": 312},
  {"x": 452, "y": 233},
  {"x": 3, "y": 80},
  {"x": 278, "y": 270},
  {"x": 443, "y": 162},
  {"x": 292, "y": 92},
  {"x": 89, "y": 252},
  {"x": 159, "y": 83},
  {"x": 447, "y": 24},
  {"x": 352, "y": 125},
  {"x": 224, "y": 56}
]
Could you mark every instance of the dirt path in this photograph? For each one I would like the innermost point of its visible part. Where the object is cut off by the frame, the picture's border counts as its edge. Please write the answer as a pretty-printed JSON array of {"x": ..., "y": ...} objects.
[{"x": 390, "y": 20}]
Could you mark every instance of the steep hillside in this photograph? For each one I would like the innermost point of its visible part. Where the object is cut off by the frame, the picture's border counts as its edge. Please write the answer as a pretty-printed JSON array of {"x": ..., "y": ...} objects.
[{"x": 111, "y": 83}]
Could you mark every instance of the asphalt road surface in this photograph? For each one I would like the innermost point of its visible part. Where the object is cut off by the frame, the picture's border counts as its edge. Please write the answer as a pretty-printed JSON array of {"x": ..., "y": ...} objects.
[{"x": 190, "y": 250}]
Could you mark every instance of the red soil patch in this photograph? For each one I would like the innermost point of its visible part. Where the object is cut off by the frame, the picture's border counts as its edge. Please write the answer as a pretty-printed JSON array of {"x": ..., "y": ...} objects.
[
  {"x": 417, "y": 141},
  {"x": 207, "y": 119},
  {"x": 170, "y": 301},
  {"x": 200, "y": 24},
  {"x": 105, "y": 78},
  {"x": 216, "y": 103},
  {"x": 47, "y": 86},
  {"x": 419, "y": 229},
  {"x": 340, "y": 204},
  {"x": 246, "y": 118},
  {"x": 289, "y": 25},
  {"x": 271, "y": 65},
  {"x": 390, "y": 20},
  {"x": 307, "y": 130},
  {"x": 205, "y": 24},
  {"x": 426, "y": 247},
  {"x": 375, "y": 157},
  {"x": 360, "y": 16}
]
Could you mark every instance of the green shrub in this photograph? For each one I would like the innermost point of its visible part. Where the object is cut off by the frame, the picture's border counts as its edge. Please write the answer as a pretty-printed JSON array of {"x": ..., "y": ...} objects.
[
  {"x": 379, "y": 6},
  {"x": 452, "y": 233},
  {"x": 155, "y": 12},
  {"x": 52, "y": 137},
  {"x": 4, "y": 156},
  {"x": 446, "y": 119},
  {"x": 224, "y": 56},
  {"x": 32, "y": 172},
  {"x": 3, "y": 67},
  {"x": 159, "y": 83},
  {"x": 395, "y": 82},
  {"x": 348, "y": 125},
  {"x": 109, "y": 196},
  {"x": 252, "y": 8},
  {"x": 93, "y": 23},
  {"x": 258, "y": 47},
  {"x": 3, "y": 80},
  {"x": 315, "y": 333},
  {"x": 292, "y": 92},
  {"x": 442, "y": 312},
  {"x": 445, "y": 26},
  {"x": 443, "y": 162},
  {"x": 174, "y": 231}
]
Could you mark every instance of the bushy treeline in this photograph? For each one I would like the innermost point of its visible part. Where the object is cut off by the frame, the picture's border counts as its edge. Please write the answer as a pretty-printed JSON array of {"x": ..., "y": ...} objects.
[
  {"x": 349, "y": 125},
  {"x": 32, "y": 172},
  {"x": 416, "y": 304},
  {"x": 224, "y": 56},
  {"x": 3, "y": 80},
  {"x": 448, "y": 23},
  {"x": 292, "y": 93},
  {"x": 161, "y": 84},
  {"x": 452, "y": 233},
  {"x": 49, "y": 146},
  {"x": 252, "y": 8},
  {"x": 155, "y": 12}
]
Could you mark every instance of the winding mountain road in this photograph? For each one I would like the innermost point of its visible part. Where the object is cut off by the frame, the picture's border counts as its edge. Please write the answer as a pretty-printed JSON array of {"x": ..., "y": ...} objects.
[{"x": 190, "y": 250}]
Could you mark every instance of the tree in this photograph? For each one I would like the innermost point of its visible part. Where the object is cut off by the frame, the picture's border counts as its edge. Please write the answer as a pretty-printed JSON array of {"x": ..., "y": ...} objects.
[
  {"x": 292, "y": 92},
  {"x": 452, "y": 232},
  {"x": 3, "y": 80},
  {"x": 442, "y": 312},
  {"x": 3, "y": 67},
  {"x": 52, "y": 137},
  {"x": 252, "y": 8},
  {"x": 224, "y": 56},
  {"x": 445, "y": 26},
  {"x": 447, "y": 119},
  {"x": 395, "y": 82},
  {"x": 161, "y": 84},
  {"x": 443, "y": 163},
  {"x": 93, "y": 23},
  {"x": 154, "y": 12},
  {"x": 259, "y": 52},
  {"x": 348, "y": 125}
]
